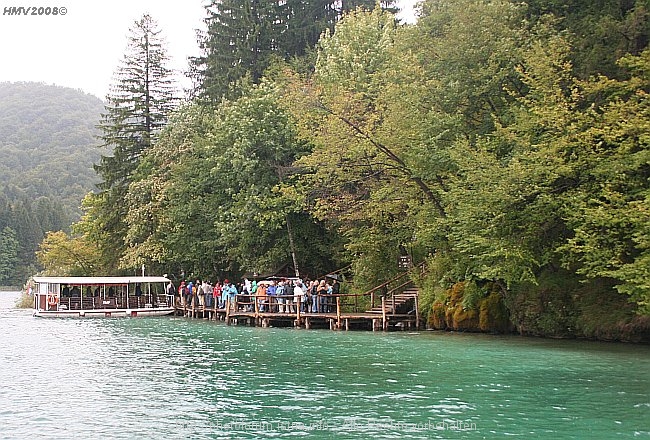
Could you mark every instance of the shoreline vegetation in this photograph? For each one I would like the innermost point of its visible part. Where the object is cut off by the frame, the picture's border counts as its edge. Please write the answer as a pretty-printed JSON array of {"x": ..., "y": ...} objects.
[
  {"x": 503, "y": 144},
  {"x": 25, "y": 301},
  {"x": 490, "y": 316}
]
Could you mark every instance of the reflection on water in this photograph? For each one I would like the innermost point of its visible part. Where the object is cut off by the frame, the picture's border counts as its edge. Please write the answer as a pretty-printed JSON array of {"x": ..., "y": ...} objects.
[{"x": 176, "y": 378}]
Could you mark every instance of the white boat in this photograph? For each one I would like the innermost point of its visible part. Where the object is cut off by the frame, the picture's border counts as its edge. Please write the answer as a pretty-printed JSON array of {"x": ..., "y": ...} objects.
[{"x": 102, "y": 297}]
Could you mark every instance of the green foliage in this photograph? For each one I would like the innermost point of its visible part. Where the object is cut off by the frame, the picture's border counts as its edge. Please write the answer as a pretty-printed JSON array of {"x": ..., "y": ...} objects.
[
  {"x": 356, "y": 177},
  {"x": 62, "y": 255},
  {"x": 26, "y": 222},
  {"x": 467, "y": 306},
  {"x": 25, "y": 301},
  {"x": 8, "y": 254},
  {"x": 500, "y": 138},
  {"x": 47, "y": 144},
  {"x": 610, "y": 212},
  {"x": 602, "y": 31},
  {"x": 546, "y": 307},
  {"x": 47, "y": 147},
  {"x": 567, "y": 176},
  {"x": 472, "y": 295},
  {"x": 216, "y": 173},
  {"x": 433, "y": 284},
  {"x": 244, "y": 38}
]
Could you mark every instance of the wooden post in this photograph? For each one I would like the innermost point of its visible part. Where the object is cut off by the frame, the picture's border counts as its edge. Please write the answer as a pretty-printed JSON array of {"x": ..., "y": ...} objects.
[
  {"x": 298, "y": 304},
  {"x": 417, "y": 313},
  {"x": 393, "y": 299},
  {"x": 338, "y": 312},
  {"x": 347, "y": 324},
  {"x": 228, "y": 311},
  {"x": 372, "y": 299},
  {"x": 383, "y": 313},
  {"x": 257, "y": 306},
  {"x": 307, "y": 323}
]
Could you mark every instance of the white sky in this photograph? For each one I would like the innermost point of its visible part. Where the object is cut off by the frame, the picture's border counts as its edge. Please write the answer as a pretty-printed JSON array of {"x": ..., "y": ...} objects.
[{"x": 82, "y": 48}]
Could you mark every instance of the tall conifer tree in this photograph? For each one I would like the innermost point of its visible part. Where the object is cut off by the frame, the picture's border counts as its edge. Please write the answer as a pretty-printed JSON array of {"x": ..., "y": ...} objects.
[
  {"x": 243, "y": 36},
  {"x": 138, "y": 105}
]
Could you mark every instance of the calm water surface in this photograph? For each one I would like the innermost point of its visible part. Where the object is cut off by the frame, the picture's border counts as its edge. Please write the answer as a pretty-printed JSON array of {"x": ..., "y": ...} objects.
[{"x": 175, "y": 378}]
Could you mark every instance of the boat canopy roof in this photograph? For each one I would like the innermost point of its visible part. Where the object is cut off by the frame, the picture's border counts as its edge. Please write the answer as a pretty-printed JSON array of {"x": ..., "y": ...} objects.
[{"x": 101, "y": 280}]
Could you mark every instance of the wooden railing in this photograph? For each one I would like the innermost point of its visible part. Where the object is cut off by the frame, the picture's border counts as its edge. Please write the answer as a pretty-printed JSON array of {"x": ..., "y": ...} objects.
[
  {"x": 393, "y": 289},
  {"x": 269, "y": 307}
]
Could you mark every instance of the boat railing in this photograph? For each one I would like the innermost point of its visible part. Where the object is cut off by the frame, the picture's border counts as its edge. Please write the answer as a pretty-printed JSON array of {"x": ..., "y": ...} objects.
[{"x": 95, "y": 303}]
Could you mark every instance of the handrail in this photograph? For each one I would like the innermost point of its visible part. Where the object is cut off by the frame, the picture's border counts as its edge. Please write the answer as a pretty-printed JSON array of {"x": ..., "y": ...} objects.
[
  {"x": 395, "y": 289},
  {"x": 384, "y": 284},
  {"x": 372, "y": 291},
  {"x": 242, "y": 299},
  {"x": 334, "y": 272},
  {"x": 402, "y": 275}
]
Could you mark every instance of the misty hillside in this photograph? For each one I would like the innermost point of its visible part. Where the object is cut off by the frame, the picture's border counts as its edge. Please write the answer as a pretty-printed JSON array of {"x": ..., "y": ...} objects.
[{"x": 47, "y": 143}]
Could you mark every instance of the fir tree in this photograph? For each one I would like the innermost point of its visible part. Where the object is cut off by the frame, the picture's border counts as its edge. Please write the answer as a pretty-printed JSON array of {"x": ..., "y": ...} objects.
[
  {"x": 137, "y": 108},
  {"x": 244, "y": 36}
]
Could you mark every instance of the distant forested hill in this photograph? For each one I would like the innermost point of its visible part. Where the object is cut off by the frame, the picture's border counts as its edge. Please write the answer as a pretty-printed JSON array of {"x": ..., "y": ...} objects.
[
  {"x": 47, "y": 150},
  {"x": 47, "y": 142}
]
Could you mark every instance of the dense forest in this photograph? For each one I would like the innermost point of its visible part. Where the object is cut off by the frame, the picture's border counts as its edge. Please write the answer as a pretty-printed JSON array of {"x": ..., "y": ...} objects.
[
  {"x": 503, "y": 143},
  {"x": 47, "y": 148}
]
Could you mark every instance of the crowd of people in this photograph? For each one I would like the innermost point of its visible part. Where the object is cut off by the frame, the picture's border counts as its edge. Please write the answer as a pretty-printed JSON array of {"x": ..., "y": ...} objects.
[{"x": 286, "y": 295}]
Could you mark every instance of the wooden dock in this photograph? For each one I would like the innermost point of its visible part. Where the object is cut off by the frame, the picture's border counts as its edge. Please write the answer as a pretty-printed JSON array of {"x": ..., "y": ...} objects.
[{"x": 398, "y": 312}]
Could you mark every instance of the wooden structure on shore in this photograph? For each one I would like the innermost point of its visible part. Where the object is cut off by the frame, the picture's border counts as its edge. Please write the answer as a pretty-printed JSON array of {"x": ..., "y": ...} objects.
[{"x": 396, "y": 308}]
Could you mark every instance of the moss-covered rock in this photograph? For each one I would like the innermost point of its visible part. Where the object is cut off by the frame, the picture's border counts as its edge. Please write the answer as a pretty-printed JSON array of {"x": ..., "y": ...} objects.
[
  {"x": 493, "y": 315},
  {"x": 559, "y": 305},
  {"x": 465, "y": 319},
  {"x": 476, "y": 314},
  {"x": 437, "y": 316}
]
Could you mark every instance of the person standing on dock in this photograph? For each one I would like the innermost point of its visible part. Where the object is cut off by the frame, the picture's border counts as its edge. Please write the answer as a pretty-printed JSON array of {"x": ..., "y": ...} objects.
[
  {"x": 182, "y": 292},
  {"x": 298, "y": 296},
  {"x": 229, "y": 293},
  {"x": 271, "y": 291},
  {"x": 279, "y": 294},
  {"x": 321, "y": 294},
  {"x": 190, "y": 294},
  {"x": 313, "y": 289},
  {"x": 262, "y": 297},
  {"x": 198, "y": 294},
  {"x": 288, "y": 291},
  {"x": 335, "y": 290},
  {"x": 207, "y": 293},
  {"x": 216, "y": 293}
]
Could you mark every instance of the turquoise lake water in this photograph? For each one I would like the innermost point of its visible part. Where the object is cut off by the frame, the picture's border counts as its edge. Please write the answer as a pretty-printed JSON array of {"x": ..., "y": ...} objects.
[{"x": 173, "y": 378}]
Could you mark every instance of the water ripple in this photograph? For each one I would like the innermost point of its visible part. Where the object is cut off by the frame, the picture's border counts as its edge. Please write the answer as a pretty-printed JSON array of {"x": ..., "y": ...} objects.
[{"x": 178, "y": 378}]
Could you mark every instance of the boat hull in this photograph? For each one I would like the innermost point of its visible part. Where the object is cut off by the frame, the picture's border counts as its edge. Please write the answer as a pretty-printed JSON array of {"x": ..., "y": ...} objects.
[{"x": 105, "y": 313}]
